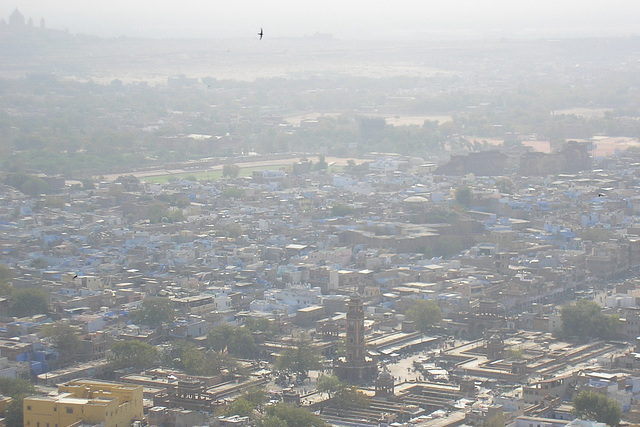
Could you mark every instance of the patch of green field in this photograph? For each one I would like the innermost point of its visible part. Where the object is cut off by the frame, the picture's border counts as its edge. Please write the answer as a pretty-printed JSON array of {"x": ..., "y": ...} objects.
[
  {"x": 213, "y": 175},
  {"x": 191, "y": 176}
]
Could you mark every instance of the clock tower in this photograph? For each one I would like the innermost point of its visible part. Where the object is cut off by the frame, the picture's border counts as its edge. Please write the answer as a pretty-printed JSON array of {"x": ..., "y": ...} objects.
[
  {"x": 356, "y": 366},
  {"x": 355, "y": 345}
]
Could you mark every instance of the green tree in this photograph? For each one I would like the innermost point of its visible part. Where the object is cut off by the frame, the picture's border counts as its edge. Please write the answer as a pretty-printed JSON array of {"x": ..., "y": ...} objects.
[
  {"x": 16, "y": 386},
  {"x": 230, "y": 170},
  {"x": 329, "y": 384},
  {"x": 179, "y": 200},
  {"x": 6, "y": 275},
  {"x": 341, "y": 209},
  {"x": 54, "y": 202},
  {"x": 237, "y": 340},
  {"x": 463, "y": 196},
  {"x": 256, "y": 396},
  {"x": 231, "y": 230},
  {"x": 495, "y": 421},
  {"x": 232, "y": 192},
  {"x": 300, "y": 359},
  {"x": 116, "y": 191},
  {"x": 259, "y": 324},
  {"x": 66, "y": 341},
  {"x": 5, "y": 289},
  {"x": 154, "y": 312},
  {"x": 38, "y": 263},
  {"x": 504, "y": 185},
  {"x": 241, "y": 407},
  {"x": 247, "y": 404},
  {"x": 129, "y": 182},
  {"x": 29, "y": 184},
  {"x": 372, "y": 128},
  {"x": 159, "y": 212},
  {"x": 17, "y": 389},
  {"x": 448, "y": 246},
  {"x": 426, "y": 314},
  {"x": 584, "y": 319},
  {"x": 221, "y": 362},
  {"x": 515, "y": 353},
  {"x": 340, "y": 346},
  {"x": 596, "y": 406},
  {"x": 27, "y": 302},
  {"x": 88, "y": 183},
  {"x": 293, "y": 416},
  {"x": 193, "y": 360},
  {"x": 188, "y": 357},
  {"x": 271, "y": 421},
  {"x": 140, "y": 355},
  {"x": 351, "y": 397},
  {"x": 14, "y": 416}
]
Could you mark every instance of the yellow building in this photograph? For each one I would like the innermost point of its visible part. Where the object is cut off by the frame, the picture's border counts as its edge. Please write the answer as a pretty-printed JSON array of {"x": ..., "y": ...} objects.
[{"x": 95, "y": 402}]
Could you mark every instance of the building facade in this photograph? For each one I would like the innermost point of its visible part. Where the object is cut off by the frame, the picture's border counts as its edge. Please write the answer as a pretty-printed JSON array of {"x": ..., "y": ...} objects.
[{"x": 95, "y": 402}]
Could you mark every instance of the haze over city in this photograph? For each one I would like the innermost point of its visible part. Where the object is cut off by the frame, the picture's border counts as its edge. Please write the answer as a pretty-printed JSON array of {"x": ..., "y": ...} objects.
[
  {"x": 355, "y": 19},
  {"x": 317, "y": 214}
]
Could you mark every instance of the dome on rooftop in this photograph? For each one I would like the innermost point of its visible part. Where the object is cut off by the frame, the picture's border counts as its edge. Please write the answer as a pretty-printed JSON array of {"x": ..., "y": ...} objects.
[{"x": 416, "y": 199}]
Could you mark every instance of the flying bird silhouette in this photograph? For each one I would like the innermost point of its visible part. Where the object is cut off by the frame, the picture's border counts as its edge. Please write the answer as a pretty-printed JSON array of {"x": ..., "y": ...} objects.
[{"x": 261, "y": 33}]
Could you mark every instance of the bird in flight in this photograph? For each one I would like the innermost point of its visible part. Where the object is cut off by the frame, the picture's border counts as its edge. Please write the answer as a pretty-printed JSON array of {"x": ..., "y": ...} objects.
[{"x": 261, "y": 33}]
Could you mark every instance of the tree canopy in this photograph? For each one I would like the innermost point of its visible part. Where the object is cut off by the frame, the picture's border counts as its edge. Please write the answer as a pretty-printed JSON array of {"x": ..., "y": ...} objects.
[
  {"x": 271, "y": 421},
  {"x": 596, "y": 406},
  {"x": 245, "y": 406},
  {"x": 158, "y": 212},
  {"x": 16, "y": 386},
  {"x": 230, "y": 170},
  {"x": 17, "y": 389},
  {"x": 341, "y": 209},
  {"x": 193, "y": 360},
  {"x": 463, "y": 196},
  {"x": 237, "y": 340},
  {"x": 154, "y": 312},
  {"x": 241, "y": 407},
  {"x": 259, "y": 324},
  {"x": 69, "y": 137},
  {"x": 66, "y": 341},
  {"x": 584, "y": 319},
  {"x": 291, "y": 415},
  {"x": 350, "y": 397},
  {"x": 329, "y": 384},
  {"x": 6, "y": 275},
  {"x": 280, "y": 415},
  {"x": 426, "y": 314},
  {"x": 495, "y": 421},
  {"x": 135, "y": 354},
  {"x": 299, "y": 359},
  {"x": 14, "y": 415},
  {"x": 28, "y": 184},
  {"x": 27, "y": 302},
  {"x": 346, "y": 396}
]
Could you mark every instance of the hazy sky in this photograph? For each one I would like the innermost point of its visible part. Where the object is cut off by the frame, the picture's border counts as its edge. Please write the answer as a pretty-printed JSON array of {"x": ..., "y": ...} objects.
[{"x": 346, "y": 19}]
